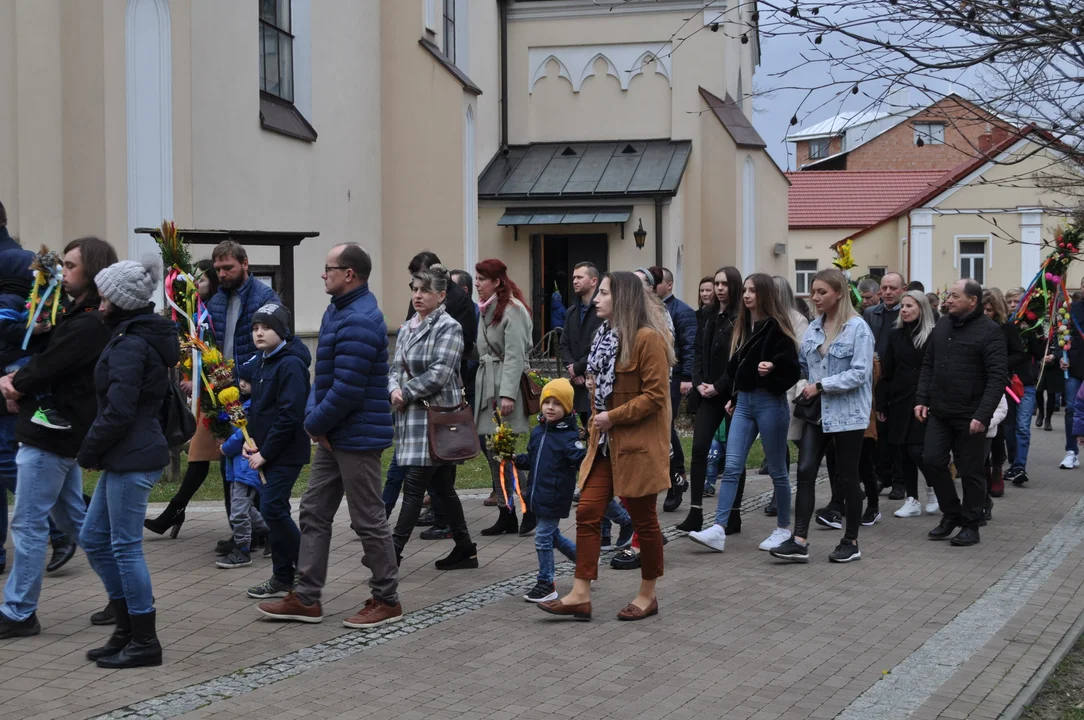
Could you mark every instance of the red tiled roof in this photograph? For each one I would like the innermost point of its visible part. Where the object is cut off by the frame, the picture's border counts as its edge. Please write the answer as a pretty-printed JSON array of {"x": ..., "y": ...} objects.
[{"x": 853, "y": 199}]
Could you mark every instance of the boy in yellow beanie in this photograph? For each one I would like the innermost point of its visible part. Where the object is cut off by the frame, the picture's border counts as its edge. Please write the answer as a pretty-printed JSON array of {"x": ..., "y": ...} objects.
[{"x": 553, "y": 458}]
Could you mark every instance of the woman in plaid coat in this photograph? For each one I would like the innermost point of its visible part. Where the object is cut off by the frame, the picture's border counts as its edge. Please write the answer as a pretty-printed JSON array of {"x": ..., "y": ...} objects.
[{"x": 426, "y": 371}]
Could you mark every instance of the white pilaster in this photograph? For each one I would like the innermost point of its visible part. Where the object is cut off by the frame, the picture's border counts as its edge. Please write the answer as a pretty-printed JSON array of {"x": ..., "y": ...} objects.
[
  {"x": 922, "y": 247},
  {"x": 1031, "y": 239}
]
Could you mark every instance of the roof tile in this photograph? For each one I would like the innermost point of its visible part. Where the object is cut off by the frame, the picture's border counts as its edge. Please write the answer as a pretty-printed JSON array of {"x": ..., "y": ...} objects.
[{"x": 853, "y": 199}]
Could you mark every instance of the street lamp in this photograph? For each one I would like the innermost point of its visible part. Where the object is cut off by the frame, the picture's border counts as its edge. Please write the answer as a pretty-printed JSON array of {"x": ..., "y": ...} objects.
[{"x": 640, "y": 235}]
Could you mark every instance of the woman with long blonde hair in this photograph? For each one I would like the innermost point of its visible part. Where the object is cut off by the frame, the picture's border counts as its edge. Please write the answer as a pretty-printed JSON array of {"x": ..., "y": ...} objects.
[
  {"x": 836, "y": 357},
  {"x": 629, "y": 442}
]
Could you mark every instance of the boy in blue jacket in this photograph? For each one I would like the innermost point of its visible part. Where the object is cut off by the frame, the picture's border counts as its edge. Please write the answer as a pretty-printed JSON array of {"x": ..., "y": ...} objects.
[
  {"x": 553, "y": 457},
  {"x": 245, "y": 487},
  {"x": 276, "y": 422}
]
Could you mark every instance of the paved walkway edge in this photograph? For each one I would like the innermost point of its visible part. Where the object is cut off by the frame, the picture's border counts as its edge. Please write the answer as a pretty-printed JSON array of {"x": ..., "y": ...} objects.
[{"x": 1029, "y": 692}]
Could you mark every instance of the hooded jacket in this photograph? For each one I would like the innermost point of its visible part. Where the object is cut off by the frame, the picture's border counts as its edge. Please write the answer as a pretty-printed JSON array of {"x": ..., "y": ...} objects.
[
  {"x": 237, "y": 467},
  {"x": 66, "y": 368},
  {"x": 130, "y": 379},
  {"x": 276, "y": 415},
  {"x": 553, "y": 458},
  {"x": 15, "y": 280},
  {"x": 964, "y": 371},
  {"x": 254, "y": 295}
]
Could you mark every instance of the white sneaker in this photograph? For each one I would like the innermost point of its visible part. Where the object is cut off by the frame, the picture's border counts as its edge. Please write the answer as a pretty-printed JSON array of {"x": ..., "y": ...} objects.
[
  {"x": 911, "y": 508},
  {"x": 932, "y": 507},
  {"x": 1071, "y": 461},
  {"x": 777, "y": 538},
  {"x": 714, "y": 537}
]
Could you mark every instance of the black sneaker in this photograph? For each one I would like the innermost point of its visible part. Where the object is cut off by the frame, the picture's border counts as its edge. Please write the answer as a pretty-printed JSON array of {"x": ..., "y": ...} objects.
[
  {"x": 624, "y": 538},
  {"x": 709, "y": 491},
  {"x": 225, "y": 547},
  {"x": 678, "y": 486},
  {"x": 845, "y": 552},
  {"x": 897, "y": 493},
  {"x": 830, "y": 518},
  {"x": 1012, "y": 473},
  {"x": 267, "y": 550},
  {"x": 1020, "y": 477},
  {"x": 967, "y": 536},
  {"x": 607, "y": 544},
  {"x": 436, "y": 533},
  {"x": 12, "y": 629},
  {"x": 270, "y": 589},
  {"x": 871, "y": 517},
  {"x": 791, "y": 550},
  {"x": 541, "y": 592},
  {"x": 426, "y": 519},
  {"x": 943, "y": 529},
  {"x": 49, "y": 418},
  {"x": 238, "y": 558}
]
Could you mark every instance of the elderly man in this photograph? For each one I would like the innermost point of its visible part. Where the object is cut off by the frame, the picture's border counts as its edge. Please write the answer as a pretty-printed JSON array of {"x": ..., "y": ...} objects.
[
  {"x": 870, "y": 291},
  {"x": 962, "y": 381},
  {"x": 881, "y": 319}
]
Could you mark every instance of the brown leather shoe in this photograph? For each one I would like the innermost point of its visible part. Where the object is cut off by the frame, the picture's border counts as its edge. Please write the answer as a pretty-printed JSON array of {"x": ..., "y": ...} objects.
[
  {"x": 579, "y": 611},
  {"x": 631, "y": 612},
  {"x": 375, "y": 612},
  {"x": 492, "y": 500},
  {"x": 291, "y": 608}
]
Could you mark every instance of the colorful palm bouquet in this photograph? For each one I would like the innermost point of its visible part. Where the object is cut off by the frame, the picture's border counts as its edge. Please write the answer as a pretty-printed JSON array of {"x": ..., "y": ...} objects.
[
  {"x": 502, "y": 444},
  {"x": 205, "y": 367},
  {"x": 46, "y": 290},
  {"x": 1044, "y": 308}
]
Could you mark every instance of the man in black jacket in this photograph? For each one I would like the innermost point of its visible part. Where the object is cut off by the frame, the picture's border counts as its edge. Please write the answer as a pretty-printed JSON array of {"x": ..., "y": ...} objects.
[
  {"x": 962, "y": 381},
  {"x": 50, "y": 481},
  {"x": 881, "y": 319},
  {"x": 581, "y": 323}
]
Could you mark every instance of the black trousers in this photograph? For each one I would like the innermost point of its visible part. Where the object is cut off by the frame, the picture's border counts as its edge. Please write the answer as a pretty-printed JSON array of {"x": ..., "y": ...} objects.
[
  {"x": 847, "y": 448},
  {"x": 911, "y": 461},
  {"x": 887, "y": 462},
  {"x": 439, "y": 481},
  {"x": 677, "y": 453},
  {"x": 947, "y": 437},
  {"x": 867, "y": 474},
  {"x": 709, "y": 415}
]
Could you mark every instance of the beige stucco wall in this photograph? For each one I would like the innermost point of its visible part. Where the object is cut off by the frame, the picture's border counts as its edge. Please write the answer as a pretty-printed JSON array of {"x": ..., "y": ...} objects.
[
  {"x": 815, "y": 244},
  {"x": 772, "y": 190},
  {"x": 245, "y": 177}
]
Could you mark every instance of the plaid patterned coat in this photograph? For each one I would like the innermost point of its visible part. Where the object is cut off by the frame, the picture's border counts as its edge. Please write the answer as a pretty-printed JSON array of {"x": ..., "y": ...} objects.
[{"x": 425, "y": 368}]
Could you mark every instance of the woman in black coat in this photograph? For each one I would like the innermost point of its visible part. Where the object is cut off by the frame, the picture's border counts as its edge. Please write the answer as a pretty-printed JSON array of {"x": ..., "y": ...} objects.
[
  {"x": 710, "y": 358},
  {"x": 901, "y": 367},
  {"x": 1004, "y": 447},
  {"x": 127, "y": 444}
]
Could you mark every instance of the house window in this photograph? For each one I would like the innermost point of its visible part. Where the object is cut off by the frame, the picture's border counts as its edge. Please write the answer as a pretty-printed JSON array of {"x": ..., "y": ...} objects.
[
  {"x": 449, "y": 30},
  {"x": 804, "y": 270},
  {"x": 276, "y": 49},
  {"x": 973, "y": 260},
  {"x": 930, "y": 133},
  {"x": 877, "y": 272},
  {"x": 819, "y": 148}
]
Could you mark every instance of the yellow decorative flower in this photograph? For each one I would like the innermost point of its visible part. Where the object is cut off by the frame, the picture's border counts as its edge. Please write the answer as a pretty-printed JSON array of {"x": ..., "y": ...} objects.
[{"x": 229, "y": 395}]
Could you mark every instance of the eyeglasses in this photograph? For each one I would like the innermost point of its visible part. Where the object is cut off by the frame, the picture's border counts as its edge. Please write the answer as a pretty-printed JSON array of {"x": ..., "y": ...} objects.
[{"x": 329, "y": 268}]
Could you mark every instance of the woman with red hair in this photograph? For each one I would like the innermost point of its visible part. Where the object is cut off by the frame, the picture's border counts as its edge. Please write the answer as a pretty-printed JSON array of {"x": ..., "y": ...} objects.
[{"x": 504, "y": 342}]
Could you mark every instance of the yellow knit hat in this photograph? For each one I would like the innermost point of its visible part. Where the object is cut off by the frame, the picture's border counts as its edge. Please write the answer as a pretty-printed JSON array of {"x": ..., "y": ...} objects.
[{"x": 561, "y": 391}]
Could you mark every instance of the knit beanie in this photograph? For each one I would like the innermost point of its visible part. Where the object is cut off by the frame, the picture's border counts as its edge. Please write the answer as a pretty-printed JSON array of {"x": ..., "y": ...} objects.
[
  {"x": 561, "y": 391},
  {"x": 128, "y": 284},
  {"x": 276, "y": 317}
]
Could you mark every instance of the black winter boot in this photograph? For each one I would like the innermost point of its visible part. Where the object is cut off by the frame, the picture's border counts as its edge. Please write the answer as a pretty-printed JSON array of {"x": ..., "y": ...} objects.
[
  {"x": 142, "y": 650},
  {"x": 527, "y": 525},
  {"x": 462, "y": 557},
  {"x": 106, "y": 616},
  {"x": 121, "y": 634},
  {"x": 693, "y": 522},
  {"x": 506, "y": 523}
]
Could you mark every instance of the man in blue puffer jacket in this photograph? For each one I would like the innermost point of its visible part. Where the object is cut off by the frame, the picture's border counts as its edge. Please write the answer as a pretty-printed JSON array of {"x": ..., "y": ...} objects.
[
  {"x": 349, "y": 417},
  {"x": 239, "y": 296}
]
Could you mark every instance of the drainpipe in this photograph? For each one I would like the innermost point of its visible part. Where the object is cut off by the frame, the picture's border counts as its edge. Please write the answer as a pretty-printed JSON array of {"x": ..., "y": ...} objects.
[
  {"x": 658, "y": 230},
  {"x": 502, "y": 14}
]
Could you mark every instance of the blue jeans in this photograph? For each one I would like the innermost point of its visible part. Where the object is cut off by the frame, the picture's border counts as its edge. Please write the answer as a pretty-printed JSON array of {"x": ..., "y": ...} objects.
[
  {"x": 393, "y": 486},
  {"x": 1072, "y": 387},
  {"x": 547, "y": 536},
  {"x": 615, "y": 513},
  {"x": 757, "y": 411},
  {"x": 715, "y": 454},
  {"x": 112, "y": 536},
  {"x": 1023, "y": 426},
  {"x": 283, "y": 536},
  {"x": 48, "y": 483}
]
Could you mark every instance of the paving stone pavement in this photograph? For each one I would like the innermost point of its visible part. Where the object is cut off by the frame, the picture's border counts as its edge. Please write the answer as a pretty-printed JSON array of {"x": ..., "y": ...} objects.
[{"x": 960, "y": 631}]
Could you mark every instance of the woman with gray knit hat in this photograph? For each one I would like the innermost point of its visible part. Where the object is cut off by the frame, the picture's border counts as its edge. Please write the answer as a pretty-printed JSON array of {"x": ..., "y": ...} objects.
[{"x": 127, "y": 444}]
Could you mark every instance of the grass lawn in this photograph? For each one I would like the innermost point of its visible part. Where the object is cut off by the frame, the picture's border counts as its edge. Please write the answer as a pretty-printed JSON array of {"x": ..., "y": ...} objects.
[{"x": 471, "y": 475}]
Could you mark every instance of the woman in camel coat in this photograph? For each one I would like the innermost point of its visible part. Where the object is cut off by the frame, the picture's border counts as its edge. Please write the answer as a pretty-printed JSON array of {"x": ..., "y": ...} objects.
[{"x": 628, "y": 448}]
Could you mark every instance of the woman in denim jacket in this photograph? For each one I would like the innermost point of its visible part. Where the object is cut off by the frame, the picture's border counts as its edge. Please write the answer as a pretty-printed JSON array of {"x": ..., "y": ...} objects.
[{"x": 836, "y": 356}]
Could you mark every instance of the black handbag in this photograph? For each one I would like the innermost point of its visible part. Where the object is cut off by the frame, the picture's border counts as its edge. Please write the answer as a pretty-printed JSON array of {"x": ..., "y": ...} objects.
[
  {"x": 808, "y": 409},
  {"x": 178, "y": 423}
]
